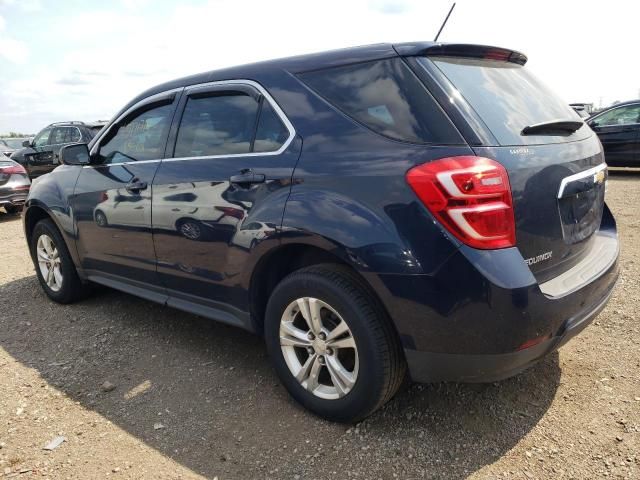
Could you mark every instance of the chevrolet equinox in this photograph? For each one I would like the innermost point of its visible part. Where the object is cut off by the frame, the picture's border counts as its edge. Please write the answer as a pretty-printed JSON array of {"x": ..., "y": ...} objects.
[{"x": 424, "y": 207}]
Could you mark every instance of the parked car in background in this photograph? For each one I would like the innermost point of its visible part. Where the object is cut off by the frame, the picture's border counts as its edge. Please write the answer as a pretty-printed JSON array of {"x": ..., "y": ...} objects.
[
  {"x": 40, "y": 155},
  {"x": 424, "y": 205},
  {"x": 618, "y": 128},
  {"x": 9, "y": 146},
  {"x": 14, "y": 185}
]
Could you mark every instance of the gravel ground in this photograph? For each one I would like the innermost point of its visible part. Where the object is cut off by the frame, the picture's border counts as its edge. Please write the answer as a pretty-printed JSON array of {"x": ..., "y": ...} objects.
[{"x": 138, "y": 391}]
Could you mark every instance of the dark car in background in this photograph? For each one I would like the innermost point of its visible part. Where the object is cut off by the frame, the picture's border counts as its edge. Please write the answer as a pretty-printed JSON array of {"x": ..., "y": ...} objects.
[
  {"x": 14, "y": 185},
  {"x": 40, "y": 155},
  {"x": 9, "y": 146},
  {"x": 424, "y": 205},
  {"x": 618, "y": 128}
]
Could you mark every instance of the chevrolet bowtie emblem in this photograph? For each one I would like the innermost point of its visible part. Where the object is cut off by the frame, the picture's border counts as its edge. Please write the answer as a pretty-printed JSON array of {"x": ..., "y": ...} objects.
[{"x": 599, "y": 177}]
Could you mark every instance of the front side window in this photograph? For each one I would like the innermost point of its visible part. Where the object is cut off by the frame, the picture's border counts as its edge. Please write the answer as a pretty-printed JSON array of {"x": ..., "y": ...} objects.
[
  {"x": 42, "y": 138},
  {"x": 619, "y": 116},
  {"x": 140, "y": 136},
  {"x": 386, "y": 97}
]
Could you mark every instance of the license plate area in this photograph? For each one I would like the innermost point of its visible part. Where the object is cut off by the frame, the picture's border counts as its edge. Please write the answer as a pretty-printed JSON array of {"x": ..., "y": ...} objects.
[{"x": 581, "y": 203}]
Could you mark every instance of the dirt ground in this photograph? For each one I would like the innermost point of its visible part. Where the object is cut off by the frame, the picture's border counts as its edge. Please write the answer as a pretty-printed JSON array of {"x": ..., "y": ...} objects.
[{"x": 187, "y": 398}]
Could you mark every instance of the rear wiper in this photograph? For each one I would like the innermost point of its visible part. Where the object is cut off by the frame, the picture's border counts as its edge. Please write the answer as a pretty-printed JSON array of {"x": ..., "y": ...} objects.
[{"x": 553, "y": 127}]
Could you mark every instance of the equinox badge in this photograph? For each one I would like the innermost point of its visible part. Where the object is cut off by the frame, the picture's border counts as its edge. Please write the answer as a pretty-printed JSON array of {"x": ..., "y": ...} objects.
[{"x": 538, "y": 258}]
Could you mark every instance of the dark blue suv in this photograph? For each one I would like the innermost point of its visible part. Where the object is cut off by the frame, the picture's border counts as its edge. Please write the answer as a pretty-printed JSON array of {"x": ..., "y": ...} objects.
[{"x": 425, "y": 205}]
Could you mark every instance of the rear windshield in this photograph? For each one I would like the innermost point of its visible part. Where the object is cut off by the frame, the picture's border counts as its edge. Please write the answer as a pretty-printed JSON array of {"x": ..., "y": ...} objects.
[
  {"x": 386, "y": 97},
  {"x": 508, "y": 98}
]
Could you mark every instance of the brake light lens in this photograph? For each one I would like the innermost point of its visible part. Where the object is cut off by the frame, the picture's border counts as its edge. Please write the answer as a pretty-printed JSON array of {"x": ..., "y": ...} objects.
[
  {"x": 232, "y": 212},
  {"x": 11, "y": 169},
  {"x": 470, "y": 196}
]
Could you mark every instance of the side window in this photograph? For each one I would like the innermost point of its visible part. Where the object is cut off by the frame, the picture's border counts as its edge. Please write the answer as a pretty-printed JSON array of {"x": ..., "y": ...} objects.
[
  {"x": 140, "y": 136},
  {"x": 620, "y": 116},
  {"x": 386, "y": 97},
  {"x": 74, "y": 135},
  {"x": 42, "y": 138},
  {"x": 62, "y": 135},
  {"x": 271, "y": 133},
  {"x": 217, "y": 125}
]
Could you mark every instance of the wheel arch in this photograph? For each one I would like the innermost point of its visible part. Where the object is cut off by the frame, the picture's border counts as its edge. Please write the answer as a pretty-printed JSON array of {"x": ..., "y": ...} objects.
[
  {"x": 289, "y": 257},
  {"x": 35, "y": 212}
]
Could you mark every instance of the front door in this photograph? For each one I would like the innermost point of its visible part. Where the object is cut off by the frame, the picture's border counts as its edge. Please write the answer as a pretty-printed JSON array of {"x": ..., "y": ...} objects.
[
  {"x": 112, "y": 199},
  {"x": 39, "y": 160},
  {"x": 221, "y": 194},
  {"x": 618, "y": 130}
]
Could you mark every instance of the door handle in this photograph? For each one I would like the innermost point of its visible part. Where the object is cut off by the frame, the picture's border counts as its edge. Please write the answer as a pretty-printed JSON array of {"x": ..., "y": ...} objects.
[
  {"x": 135, "y": 185},
  {"x": 247, "y": 177}
]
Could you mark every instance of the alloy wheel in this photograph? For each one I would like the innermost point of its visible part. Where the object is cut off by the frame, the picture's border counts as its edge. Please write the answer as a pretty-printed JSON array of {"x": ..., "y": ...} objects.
[
  {"x": 49, "y": 262},
  {"x": 319, "y": 348}
]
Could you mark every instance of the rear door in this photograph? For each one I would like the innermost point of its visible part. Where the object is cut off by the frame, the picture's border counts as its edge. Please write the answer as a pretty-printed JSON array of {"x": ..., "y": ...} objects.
[
  {"x": 112, "y": 198},
  {"x": 619, "y": 132},
  {"x": 231, "y": 167},
  {"x": 557, "y": 177}
]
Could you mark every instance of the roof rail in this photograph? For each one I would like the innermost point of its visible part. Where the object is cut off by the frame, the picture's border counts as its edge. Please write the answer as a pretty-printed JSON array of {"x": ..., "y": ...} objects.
[{"x": 73, "y": 122}]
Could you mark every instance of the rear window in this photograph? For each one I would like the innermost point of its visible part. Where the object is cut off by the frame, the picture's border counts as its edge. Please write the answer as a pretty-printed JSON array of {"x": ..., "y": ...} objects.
[
  {"x": 386, "y": 97},
  {"x": 508, "y": 98}
]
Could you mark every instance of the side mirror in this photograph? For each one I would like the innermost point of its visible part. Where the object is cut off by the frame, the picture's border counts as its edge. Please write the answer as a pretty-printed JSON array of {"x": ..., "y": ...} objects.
[
  {"x": 593, "y": 124},
  {"x": 26, "y": 143},
  {"x": 75, "y": 154}
]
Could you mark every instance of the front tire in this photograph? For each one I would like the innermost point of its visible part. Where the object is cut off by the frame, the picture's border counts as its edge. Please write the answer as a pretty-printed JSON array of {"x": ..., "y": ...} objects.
[
  {"x": 331, "y": 343},
  {"x": 54, "y": 266}
]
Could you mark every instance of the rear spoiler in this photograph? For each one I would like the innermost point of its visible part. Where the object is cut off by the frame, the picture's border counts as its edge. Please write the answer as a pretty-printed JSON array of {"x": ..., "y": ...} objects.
[{"x": 431, "y": 49}]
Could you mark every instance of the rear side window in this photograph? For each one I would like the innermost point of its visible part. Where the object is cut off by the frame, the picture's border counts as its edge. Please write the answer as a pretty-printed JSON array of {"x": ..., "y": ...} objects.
[
  {"x": 228, "y": 124},
  {"x": 217, "y": 125},
  {"x": 61, "y": 135},
  {"x": 386, "y": 97},
  {"x": 508, "y": 98},
  {"x": 271, "y": 133}
]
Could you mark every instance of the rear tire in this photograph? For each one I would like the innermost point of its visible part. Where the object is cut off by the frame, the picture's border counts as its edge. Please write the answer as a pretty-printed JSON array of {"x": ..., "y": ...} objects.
[
  {"x": 101, "y": 219},
  {"x": 365, "y": 369},
  {"x": 54, "y": 266}
]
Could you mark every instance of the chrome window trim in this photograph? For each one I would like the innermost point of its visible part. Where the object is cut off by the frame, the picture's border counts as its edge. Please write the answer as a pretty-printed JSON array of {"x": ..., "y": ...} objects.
[
  {"x": 188, "y": 89},
  {"x": 577, "y": 176},
  {"x": 122, "y": 163}
]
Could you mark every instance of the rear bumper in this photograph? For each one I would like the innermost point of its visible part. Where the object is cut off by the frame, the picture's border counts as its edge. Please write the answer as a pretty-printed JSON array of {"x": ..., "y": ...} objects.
[
  {"x": 436, "y": 367},
  {"x": 483, "y": 316},
  {"x": 13, "y": 197}
]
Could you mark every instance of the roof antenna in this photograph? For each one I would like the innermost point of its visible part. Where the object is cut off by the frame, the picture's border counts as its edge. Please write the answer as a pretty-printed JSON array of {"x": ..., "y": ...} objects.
[{"x": 445, "y": 22}]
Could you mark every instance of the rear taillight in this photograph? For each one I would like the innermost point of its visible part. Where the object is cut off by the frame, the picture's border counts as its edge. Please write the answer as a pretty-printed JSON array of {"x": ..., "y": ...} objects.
[
  {"x": 231, "y": 212},
  {"x": 470, "y": 196},
  {"x": 11, "y": 169}
]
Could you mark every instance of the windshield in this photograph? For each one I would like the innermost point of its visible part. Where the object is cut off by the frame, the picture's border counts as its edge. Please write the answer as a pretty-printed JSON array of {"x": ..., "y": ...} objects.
[{"x": 508, "y": 98}]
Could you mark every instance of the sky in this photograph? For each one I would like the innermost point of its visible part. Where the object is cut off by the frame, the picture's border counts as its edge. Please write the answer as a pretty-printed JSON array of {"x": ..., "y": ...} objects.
[{"x": 84, "y": 59}]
